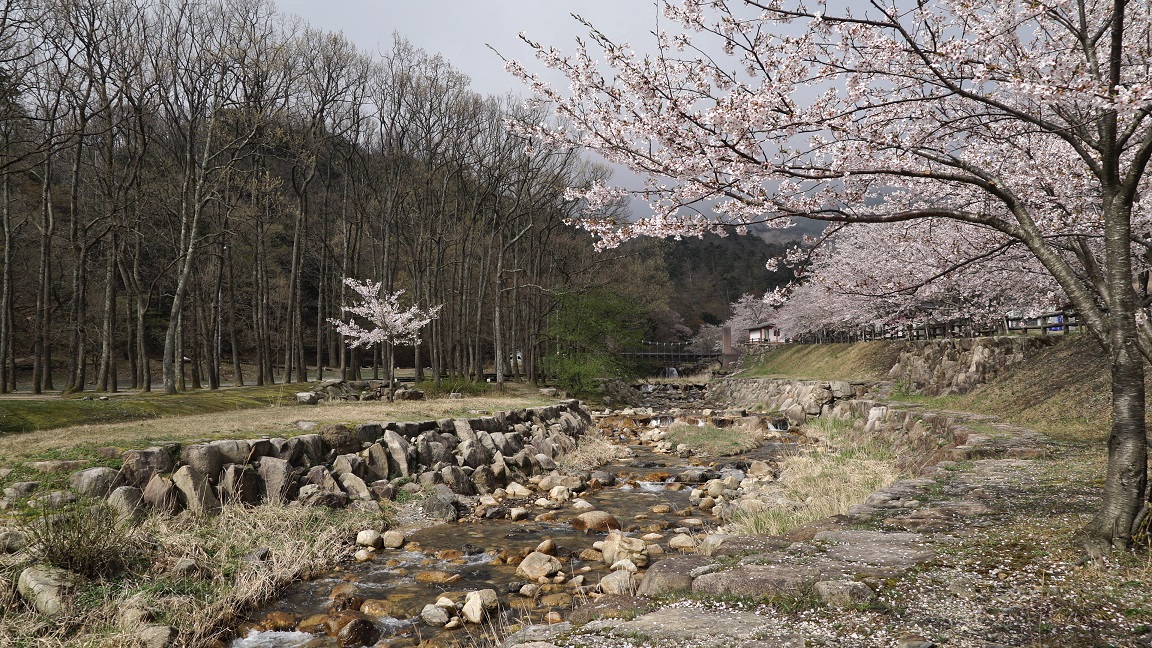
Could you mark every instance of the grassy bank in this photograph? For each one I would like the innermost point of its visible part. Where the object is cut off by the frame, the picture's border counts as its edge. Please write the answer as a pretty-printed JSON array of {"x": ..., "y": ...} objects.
[
  {"x": 25, "y": 413},
  {"x": 1063, "y": 391},
  {"x": 866, "y": 361},
  {"x": 221, "y": 415}
]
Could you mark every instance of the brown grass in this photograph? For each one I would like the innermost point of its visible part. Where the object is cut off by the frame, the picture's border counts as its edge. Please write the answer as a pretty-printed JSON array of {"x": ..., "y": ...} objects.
[
  {"x": 842, "y": 470},
  {"x": 713, "y": 441},
  {"x": 593, "y": 450},
  {"x": 867, "y": 361},
  {"x": 301, "y": 540},
  {"x": 270, "y": 421}
]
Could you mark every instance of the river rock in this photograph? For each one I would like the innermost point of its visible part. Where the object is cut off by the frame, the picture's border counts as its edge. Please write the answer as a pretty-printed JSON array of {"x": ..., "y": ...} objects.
[
  {"x": 619, "y": 582},
  {"x": 477, "y": 603},
  {"x": 618, "y": 546},
  {"x": 434, "y": 615},
  {"x": 44, "y": 588},
  {"x": 537, "y": 565},
  {"x": 595, "y": 521},
  {"x": 393, "y": 539},
  {"x": 518, "y": 491},
  {"x": 161, "y": 495},
  {"x": 93, "y": 482},
  {"x": 196, "y": 493},
  {"x": 370, "y": 538},
  {"x": 138, "y": 466},
  {"x": 436, "y": 577},
  {"x": 357, "y": 633}
]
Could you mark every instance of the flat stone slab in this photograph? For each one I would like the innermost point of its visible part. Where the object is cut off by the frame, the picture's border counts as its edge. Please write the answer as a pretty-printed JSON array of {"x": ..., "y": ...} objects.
[
  {"x": 759, "y": 580},
  {"x": 702, "y": 627},
  {"x": 876, "y": 548}
]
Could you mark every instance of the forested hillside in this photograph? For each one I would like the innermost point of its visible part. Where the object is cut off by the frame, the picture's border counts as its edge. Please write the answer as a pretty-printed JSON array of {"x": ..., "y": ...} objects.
[{"x": 709, "y": 274}]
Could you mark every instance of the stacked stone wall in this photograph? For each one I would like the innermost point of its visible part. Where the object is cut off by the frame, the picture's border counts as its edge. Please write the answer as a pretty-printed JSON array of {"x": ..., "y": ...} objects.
[{"x": 340, "y": 465}]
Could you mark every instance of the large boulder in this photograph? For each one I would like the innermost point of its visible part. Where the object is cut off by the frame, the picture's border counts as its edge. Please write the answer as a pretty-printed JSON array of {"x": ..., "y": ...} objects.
[
  {"x": 458, "y": 480},
  {"x": 313, "y": 495},
  {"x": 484, "y": 480},
  {"x": 473, "y": 454},
  {"x": 139, "y": 466},
  {"x": 128, "y": 503},
  {"x": 236, "y": 451},
  {"x": 321, "y": 477},
  {"x": 399, "y": 453},
  {"x": 340, "y": 438},
  {"x": 239, "y": 484},
  {"x": 93, "y": 482},
  {"x": 196, "y": 493},
  {"x": 205, "y": 459},
  {"x": 355, "y": 487},
  {"x": 311, "y": 446},
  {"x": 279, "y": 480},
  {"x": 161, "y": 495},
  {"x": 537, "y": 565},
  {"x": 671, "y": 575}
]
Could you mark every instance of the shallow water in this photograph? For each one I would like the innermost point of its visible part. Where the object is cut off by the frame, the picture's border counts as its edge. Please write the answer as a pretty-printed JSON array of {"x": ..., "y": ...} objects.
[{"x": 469, "y": 549}]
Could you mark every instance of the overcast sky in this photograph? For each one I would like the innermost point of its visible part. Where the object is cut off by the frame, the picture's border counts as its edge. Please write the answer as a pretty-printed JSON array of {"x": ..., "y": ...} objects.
[{"x": 462, "y": 29}]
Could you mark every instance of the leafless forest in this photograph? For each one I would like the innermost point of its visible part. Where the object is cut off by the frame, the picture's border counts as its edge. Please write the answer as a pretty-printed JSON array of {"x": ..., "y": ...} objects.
[{"x": 186, "y": 184}]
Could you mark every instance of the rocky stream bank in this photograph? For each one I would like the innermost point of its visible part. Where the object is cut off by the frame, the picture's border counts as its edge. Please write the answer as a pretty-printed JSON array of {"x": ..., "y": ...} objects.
[{"x": 641, "y": 551}]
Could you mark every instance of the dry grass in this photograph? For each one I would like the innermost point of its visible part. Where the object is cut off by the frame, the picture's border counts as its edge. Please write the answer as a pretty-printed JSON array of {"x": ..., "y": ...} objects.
[
  {"x": 843, "y": 470},
  {"x": 593, "y": 451},
  {"x": 248, "y": 423},
  {"x": 861, "y": 361},
  {"x": 301, "y": 541},
  {"x": 712, "y": 441}
]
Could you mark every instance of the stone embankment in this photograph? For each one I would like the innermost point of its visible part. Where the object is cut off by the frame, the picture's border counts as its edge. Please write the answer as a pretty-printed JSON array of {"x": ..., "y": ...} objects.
[
  {"x": 337, "y": 466},
  {"x": 957, "y": 365}
]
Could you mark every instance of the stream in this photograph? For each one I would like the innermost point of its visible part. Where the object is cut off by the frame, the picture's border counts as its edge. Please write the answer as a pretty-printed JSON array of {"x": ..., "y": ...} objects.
[{"x": 649, "y": 495}]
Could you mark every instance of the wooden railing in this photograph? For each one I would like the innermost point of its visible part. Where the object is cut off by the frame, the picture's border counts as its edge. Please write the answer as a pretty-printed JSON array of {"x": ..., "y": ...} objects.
[{"x": 1056, "y": 323}]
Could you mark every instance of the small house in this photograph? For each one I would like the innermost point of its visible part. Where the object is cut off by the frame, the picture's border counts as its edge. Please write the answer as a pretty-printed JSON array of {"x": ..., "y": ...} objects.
[{"x": 764, "y": 334}]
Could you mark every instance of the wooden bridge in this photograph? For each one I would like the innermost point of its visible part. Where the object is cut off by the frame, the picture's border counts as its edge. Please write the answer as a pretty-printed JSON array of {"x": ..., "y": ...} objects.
[{"x": 672, "y": 352}]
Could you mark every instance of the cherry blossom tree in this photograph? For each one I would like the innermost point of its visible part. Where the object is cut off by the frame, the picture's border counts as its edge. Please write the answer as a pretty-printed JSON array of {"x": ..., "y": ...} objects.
[
  {"x": 1030, "y": 121},
  {"x": 929, "y": 270},
  {"x": 386, "y": 321}
]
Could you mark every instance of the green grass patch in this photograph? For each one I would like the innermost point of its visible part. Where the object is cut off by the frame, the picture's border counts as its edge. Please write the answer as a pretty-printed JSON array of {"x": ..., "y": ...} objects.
[{"x": 30, "y": 414}]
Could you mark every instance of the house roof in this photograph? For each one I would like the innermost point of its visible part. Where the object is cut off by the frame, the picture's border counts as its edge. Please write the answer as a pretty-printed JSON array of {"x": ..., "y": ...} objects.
[{"x": 762, "y": 326}]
